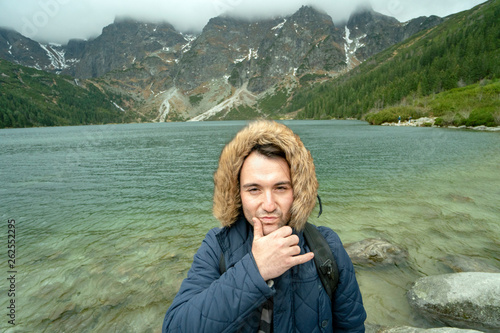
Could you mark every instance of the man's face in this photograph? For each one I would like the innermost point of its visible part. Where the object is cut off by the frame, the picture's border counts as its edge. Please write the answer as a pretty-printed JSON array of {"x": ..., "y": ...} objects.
[{"x": 266, "y": 191}]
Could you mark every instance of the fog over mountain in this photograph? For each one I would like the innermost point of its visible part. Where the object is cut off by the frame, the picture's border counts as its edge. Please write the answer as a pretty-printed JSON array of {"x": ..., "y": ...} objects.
[{"x": 61, "y": 20}]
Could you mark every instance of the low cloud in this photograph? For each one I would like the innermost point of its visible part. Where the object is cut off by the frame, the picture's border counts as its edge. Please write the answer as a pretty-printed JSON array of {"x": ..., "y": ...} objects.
[{"x": 61, "y": 20}]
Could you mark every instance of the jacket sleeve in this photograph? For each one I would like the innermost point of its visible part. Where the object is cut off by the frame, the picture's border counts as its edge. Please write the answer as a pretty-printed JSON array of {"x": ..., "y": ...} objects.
[
  {"x": 349, "y": 313},
  {"x": 210, "y": 302}
]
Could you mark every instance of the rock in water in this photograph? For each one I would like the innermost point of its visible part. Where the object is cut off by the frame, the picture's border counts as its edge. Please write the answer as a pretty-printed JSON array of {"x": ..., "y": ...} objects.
[
  {"x": 465, "y": 300},
  {"x": 375, "y": 251},
  {"x": 461, "y": 263}
]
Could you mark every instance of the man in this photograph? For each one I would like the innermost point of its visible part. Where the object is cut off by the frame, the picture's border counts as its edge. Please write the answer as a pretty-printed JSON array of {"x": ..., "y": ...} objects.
[{"x": 265, "y": 189}]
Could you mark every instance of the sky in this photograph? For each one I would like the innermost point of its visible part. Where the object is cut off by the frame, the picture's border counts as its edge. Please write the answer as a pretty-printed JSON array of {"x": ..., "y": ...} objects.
[{"x": 61, "y": 20}]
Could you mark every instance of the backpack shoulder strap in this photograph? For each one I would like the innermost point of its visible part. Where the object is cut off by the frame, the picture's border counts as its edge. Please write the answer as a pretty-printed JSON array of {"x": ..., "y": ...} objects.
[{"x": 323, "y": 258}]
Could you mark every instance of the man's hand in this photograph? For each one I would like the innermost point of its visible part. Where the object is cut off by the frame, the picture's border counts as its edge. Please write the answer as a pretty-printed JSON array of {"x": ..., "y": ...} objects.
[{"x": 277, "y": 252}]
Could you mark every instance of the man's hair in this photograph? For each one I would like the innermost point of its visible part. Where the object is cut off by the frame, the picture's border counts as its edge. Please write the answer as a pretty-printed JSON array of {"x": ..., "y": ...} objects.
[
  {"x": 270, "y": 139},
  {"x": 269, "y": 150}
]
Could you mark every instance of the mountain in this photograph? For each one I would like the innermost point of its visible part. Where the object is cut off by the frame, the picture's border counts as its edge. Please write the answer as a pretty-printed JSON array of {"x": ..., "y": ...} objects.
[
  {"x": 31, "y": 97},
  {"x": 124, "y": 43},
  {"x": 450, "y": 71},
  {"x": 377, "y": 32},
  {"x": 232, "y": 63},
  {"x": 16, "y": 48}
]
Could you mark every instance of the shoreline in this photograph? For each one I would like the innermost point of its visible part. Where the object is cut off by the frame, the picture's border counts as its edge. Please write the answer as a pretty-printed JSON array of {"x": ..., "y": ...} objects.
[{"x": 429, "y": 122}]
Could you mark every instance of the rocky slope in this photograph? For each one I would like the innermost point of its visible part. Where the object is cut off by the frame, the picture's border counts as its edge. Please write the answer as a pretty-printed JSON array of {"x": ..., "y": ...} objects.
[{"x": 172, "y": 75}]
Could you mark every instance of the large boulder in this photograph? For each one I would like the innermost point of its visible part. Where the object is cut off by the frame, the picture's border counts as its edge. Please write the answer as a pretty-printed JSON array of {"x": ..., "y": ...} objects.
[
  {"x": 409, "y": 329},
  {"x": 375, "y": 251},
  {"x": 465, "y": 300}
]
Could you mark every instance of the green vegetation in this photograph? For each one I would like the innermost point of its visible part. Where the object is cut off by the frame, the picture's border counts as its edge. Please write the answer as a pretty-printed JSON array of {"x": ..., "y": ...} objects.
[
  {"x": 195, "y": 99},
  {"x": 406, "y": 78},
  {"x": 235, "y": 79},
  {"x": 175, "y": 117},
  {"x": 311, "y": 77},
  {"x": 272, "y": 104},
  {"x": 29, "y": 97},
  {"x": 474, "y": 105},
  {"x": 392, "y": 114}
]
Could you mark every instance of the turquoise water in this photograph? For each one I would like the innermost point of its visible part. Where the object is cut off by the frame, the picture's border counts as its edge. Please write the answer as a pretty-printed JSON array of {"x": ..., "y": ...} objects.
[{"x": 109, "y": 217}]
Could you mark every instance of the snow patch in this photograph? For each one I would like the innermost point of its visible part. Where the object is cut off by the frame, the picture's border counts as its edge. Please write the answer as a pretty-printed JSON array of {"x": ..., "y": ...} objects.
[
  {"x": 118, "y": 107},
  {"x": 240, "y": 60},
  {"x": 253, "y": 54},
  {"x": 190, "y": 39},
  {"x": 350, "y": 48},
  {"x": 279, "y": 26},
  {"x": 56, "y": 57},
  {"x": 347, "y": 34}
]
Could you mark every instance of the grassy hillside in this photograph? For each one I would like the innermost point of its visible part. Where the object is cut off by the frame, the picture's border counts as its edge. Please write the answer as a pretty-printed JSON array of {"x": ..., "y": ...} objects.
[
  {"x": 463, "y": 51},
  {"x": 473, "y": 105},
  {"x": 29, "y": 97}
]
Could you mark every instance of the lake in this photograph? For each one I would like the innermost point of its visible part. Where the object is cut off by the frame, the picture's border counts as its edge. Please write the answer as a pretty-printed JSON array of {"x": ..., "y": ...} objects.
[{"x": 108, "y": 218}]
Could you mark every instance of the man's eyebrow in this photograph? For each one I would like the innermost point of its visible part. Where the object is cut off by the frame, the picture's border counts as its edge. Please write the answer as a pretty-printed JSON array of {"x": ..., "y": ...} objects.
[
  {"x": 250, "y": 185},
  {"x": 285, "y": 182}
]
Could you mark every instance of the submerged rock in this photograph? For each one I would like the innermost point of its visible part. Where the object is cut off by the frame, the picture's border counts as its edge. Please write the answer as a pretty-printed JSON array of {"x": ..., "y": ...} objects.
[
  {"x": 375, "y": 251},
  {"x": 460, "y": 198},
  {"x": 461, "y": 263},
  {"x": 465, "y": 300}
]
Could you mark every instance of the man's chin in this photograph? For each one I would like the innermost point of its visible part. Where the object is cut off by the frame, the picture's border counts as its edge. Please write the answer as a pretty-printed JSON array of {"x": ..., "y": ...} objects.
[{"x": 267, "y": 229}]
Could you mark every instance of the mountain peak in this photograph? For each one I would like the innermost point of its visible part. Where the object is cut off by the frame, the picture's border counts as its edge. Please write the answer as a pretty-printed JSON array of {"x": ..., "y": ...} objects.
[
  {"x": 365, "y": 15},
  {"x": 363, "y": 8},
  {"x": 310, "y": 11}
]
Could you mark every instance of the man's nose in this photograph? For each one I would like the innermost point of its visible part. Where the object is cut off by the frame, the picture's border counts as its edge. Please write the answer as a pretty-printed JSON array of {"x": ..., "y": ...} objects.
[{"x": 269, "y": 204}]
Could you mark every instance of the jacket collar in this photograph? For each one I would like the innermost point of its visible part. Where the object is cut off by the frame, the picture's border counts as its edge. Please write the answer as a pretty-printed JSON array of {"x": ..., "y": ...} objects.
[{"x": 236, "y": 240}]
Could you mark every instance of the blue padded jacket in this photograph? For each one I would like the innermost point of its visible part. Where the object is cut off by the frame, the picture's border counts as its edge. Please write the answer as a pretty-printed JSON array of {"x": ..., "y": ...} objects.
[{"x": 232, "y": 302}]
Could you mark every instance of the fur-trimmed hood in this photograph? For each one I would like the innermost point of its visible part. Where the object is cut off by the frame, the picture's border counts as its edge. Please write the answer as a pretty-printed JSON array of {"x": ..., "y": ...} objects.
[{"x": 227, "y": 200}]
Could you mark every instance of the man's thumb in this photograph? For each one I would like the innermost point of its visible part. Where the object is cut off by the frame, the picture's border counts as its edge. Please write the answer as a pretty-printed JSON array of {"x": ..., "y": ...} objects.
[{"x": 257, "y": 228}]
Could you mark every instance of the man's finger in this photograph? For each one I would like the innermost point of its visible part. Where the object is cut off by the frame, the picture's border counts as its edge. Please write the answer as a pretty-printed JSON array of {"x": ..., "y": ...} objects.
[
  {"x": 303, "y": 258},
  {"x": 257, "y": 229}
]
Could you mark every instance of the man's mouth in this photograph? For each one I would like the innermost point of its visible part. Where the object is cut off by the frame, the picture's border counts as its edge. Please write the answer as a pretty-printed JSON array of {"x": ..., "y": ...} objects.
[{"x": 268, "y": 218}]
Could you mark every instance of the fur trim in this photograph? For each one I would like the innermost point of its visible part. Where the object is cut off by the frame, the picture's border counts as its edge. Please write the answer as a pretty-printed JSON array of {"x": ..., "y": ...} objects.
[{"x": 227, "y": 200}]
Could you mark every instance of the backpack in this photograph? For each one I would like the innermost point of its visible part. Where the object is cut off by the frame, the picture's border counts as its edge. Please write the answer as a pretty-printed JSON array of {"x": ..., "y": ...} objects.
[{"x": 326, "y": 264}]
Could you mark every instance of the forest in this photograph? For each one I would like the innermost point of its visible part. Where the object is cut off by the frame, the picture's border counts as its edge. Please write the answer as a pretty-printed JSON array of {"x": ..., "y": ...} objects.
[
  {"x": 29, "y": 97},
  {"x": 407, "y": 79}
]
